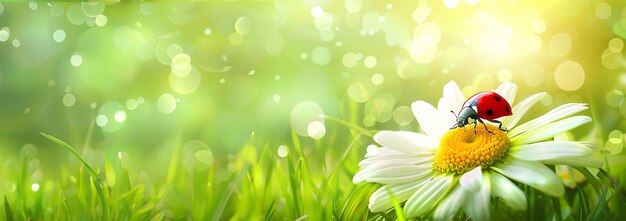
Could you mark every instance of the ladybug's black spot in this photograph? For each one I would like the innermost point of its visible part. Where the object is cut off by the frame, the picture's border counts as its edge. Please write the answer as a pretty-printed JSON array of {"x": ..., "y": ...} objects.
[
  {"x": 508, "y": 110},
  {"x": 490, "y": 112},
  {"x": 497, "y": 98}
]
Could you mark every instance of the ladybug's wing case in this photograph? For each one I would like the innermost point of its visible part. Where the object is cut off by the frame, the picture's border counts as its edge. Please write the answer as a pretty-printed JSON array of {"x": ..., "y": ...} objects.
[
  {"x": 492, "y": 106},
  {"x": 472, "y": 101}
]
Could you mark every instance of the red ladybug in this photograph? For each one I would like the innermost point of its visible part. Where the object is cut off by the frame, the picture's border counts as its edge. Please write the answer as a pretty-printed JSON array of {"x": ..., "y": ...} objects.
[{"x": 487, "y": 105}]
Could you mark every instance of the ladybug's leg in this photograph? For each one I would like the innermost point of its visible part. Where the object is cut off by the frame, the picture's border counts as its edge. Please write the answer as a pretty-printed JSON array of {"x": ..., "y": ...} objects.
[
  {"x": 475, "y": 123},
  {"x": 481, "y": 121},
  {"x": 500, "y": 125}
]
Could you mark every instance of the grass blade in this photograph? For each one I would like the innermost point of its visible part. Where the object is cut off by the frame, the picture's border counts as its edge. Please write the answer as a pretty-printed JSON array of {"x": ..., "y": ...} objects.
[
  {"x": 96, "y": 180},
  {"x": 69, "y": 148},
  {"x": 7, "y": 209}
]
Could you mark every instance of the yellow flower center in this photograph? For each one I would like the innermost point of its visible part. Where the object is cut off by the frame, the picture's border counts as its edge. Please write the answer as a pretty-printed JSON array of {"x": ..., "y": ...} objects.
[{"x": 461, "y": 150}]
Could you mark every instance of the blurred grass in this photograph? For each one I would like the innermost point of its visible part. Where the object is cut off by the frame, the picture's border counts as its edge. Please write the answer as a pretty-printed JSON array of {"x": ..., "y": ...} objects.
[{"x": 262, "y": 186}]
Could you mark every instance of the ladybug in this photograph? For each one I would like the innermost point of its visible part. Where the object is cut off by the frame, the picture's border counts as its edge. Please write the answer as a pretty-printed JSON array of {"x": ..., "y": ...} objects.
[{"x": 486, "y": 105}]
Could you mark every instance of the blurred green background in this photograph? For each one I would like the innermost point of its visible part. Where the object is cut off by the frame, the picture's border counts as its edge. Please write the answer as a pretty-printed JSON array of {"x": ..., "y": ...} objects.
[{"x": 153, "y": 80}]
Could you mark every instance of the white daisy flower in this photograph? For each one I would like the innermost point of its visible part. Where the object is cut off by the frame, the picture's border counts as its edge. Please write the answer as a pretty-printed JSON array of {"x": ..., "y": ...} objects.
[{"x": 443, "y": 170}]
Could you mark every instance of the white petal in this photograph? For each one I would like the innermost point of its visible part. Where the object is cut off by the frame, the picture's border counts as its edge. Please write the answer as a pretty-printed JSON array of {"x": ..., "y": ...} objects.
[
  {"x": 550, "y": 130},
  {"x": 478, "y": 204},
  {"x": 450, "y": 205},
  {"x": 427, "y": 197},
  {"x": 507, "y": 90},
  {"x": 531, "y": 173},
  {"x": 429, "y": 119},
  {"x": 594, "y": 159},
  {"x": 366, "y": 172},
  {"x": 406, "y": 158},
  {"x": 385, "y": 151},
  {"x": 451, "y": 101},
  {"x": 555, "y": 114},
  {"x": 407, "y": 142},
  {"x": 360, "y": 176},
  {"x": 550, "y": 150},
  {"x": 381, "y": 198},
  {"x": 400, "y": 174},
  {"x": 472, "y": 180},
  {"x": 520, "y": 109},
  {"x": 452, "y": 94},
  {"x": 509, "y": 192}
]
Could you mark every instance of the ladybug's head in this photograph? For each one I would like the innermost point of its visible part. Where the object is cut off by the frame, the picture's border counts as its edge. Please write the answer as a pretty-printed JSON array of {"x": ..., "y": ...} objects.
[{"x": 463, "y": 118}]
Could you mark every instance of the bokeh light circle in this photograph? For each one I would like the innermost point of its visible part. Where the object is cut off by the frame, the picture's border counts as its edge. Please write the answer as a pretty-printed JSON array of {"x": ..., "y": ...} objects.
[
  {"x": 321, "y": 56},
  {"x": 166, "y": 103},
  {"x": 283, "y": 151},
  {"x": 185, "y": 84},
  {"x": 58, "y": 36},
  {"x": 111, "y": 116},
  {"x": 534, "y": 75},
  {"x": 316, "y": 130},
  {"x": 569, "y": 75},
  {"x": 423, "y": 50},
  {"x": 560, "y": 45},
  {"x": 303, "y": 114},
  {"x": 403, "y": 115},
  {"x": 614, "y": 98},
  {"x": 69, "y": 100}
]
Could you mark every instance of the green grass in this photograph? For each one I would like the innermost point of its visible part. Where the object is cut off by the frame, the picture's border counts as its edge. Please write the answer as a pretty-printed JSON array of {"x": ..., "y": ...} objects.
[{"x": 309, "y": 183}]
